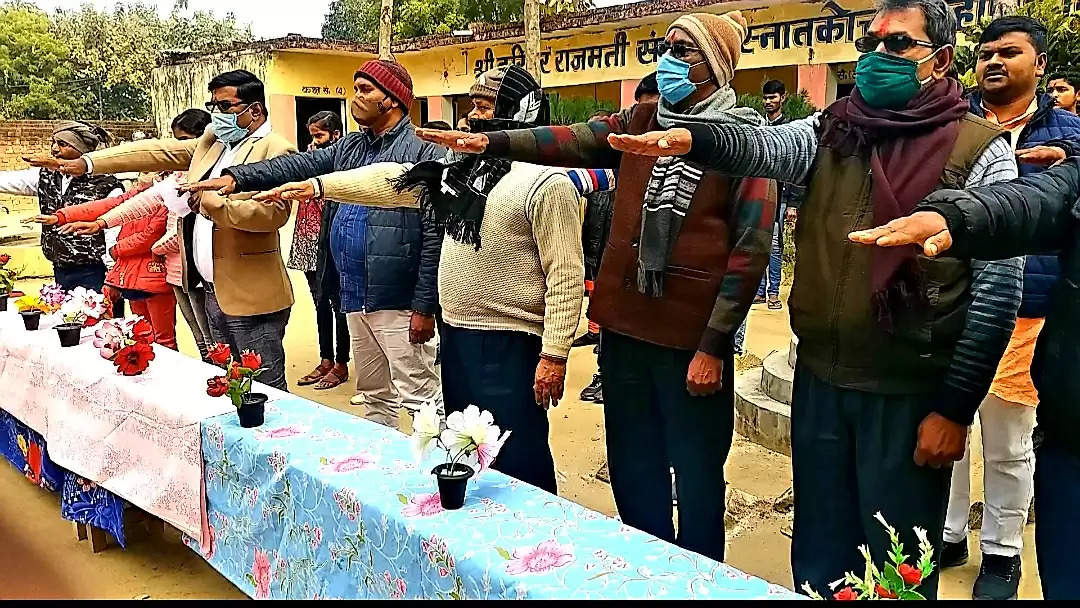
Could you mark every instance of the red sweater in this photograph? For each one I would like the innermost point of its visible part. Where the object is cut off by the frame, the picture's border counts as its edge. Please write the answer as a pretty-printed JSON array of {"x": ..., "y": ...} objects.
[{"x": 137, "y": 267}]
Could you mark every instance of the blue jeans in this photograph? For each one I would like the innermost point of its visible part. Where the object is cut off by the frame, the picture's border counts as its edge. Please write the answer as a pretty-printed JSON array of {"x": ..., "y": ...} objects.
[
  {"x": 1057, "y": 492},
  {"x": 770, "y": 281},
  {"x": 260, "y": 333},
  {"x": 740, "y": 336},
  {"x": 89, "y": 276}
]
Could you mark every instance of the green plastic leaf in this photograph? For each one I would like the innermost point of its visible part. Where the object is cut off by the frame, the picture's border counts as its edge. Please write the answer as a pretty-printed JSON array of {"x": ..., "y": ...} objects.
[
  {"x": 503, "y": 552},
  {"x": 893, "y": 578},
  {"x": 910, "y": 595}
]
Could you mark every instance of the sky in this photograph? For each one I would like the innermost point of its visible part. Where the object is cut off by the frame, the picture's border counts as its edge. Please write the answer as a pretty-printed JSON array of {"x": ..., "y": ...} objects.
[{"x": 268, "y": 18}]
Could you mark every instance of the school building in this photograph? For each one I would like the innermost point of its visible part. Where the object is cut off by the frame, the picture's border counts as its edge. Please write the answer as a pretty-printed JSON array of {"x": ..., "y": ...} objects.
[{"x": 600, "y": 54}]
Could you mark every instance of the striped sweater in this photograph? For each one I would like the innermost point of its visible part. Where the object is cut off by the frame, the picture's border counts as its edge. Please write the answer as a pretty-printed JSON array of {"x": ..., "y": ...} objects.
[{"x": 787, "y": 153}]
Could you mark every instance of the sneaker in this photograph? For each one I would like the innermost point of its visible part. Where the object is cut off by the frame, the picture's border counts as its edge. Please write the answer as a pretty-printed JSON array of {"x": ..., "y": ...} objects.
[
  {"x": 999, "y": 578},
  {"x": 774, "y": 303},
  {"x": 954, "y": 554},
  {"x": 596, "y": 350},
  {"x": 599, "y": 398},
  {"x": 589, "y": 392},
  {"x": 589, "y": 339}
]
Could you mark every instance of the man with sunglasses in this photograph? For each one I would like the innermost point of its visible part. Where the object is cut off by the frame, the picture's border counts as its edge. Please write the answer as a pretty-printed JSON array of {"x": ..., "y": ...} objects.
[
  {"x": 895, "y": 351},
  {"x": 230, "y": 244}
]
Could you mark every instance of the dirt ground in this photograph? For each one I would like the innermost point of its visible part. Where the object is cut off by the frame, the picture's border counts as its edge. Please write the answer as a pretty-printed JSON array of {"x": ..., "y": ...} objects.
[{"x": 40, "y": 558}]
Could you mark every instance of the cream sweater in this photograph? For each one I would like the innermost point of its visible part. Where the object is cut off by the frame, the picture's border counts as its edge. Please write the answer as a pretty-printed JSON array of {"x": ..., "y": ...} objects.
[{"x": 529, "y": 273}]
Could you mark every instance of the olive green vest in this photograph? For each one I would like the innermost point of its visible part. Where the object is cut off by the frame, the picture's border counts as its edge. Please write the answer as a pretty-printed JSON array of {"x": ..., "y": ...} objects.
[{"x": 839, "y": 341}]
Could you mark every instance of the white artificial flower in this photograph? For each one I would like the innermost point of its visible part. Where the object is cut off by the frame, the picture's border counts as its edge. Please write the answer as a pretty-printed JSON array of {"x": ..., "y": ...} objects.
[
  {"x": 426, "y": 427},
  {"x": 468, "y": 429}
]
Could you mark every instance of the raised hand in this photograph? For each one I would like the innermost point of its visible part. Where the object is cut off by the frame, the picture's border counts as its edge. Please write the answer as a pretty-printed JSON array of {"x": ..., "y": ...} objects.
[
  {"x": 459, "y": 141},
  {"x": 1044, "y": 156},
  {"x": 48, "y": 220},
  {"x": 224, "y": 185},
  {"x": 293, "y": 191},
  {"x": 83, "y": 228},
  {"x": 673, "y": 142},
  {"x": 927, "y": 229},
  {"x": 73, "y": 168}
]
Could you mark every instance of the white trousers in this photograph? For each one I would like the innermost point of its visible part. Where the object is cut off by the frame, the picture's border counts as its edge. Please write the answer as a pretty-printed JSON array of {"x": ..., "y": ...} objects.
[
  {"x": 1008, "y": 479},
  {"x": 391, "y": 372}
]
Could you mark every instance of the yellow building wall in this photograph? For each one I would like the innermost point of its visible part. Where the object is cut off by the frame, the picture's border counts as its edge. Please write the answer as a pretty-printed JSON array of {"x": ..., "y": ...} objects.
[{"x": 311, "y": 74}]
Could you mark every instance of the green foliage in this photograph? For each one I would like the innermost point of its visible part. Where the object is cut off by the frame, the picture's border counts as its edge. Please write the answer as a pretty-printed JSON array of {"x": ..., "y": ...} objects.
[
  {"x": 1063, "y": 38},
  {"x": 572, "y": 110},
  {"x": 795, "y": 106},
  {"x": 96, "y": 64},
  {"x": 358, "y": 20}
]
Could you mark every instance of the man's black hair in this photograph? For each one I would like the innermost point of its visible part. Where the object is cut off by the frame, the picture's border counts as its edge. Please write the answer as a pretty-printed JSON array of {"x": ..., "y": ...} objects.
[
  {"x": 774, "y": 87},
  {"x": 249, "y": 89},
  {"x": 1016, "y": 23},
  {"x": 647, "y": 86},
  {"x": 439, "y": 125},
  {"x": 328, "y": 121},
  {"x": 1073, "y": 78},
  {"x": 193, "y": 121}
]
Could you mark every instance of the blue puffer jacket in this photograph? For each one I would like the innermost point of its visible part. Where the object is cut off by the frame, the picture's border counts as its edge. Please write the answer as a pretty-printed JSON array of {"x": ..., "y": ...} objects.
[
  {"x": 1041, "y": 272},
  {"x": 395, "y": 265}
]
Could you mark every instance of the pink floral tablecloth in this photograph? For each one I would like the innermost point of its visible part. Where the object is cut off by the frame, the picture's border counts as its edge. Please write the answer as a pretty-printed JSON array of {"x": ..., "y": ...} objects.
[{"x": 138, "y": 437}]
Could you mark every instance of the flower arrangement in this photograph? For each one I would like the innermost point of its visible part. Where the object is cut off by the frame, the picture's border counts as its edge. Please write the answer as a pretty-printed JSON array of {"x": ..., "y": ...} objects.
[
  {"x": 53, "y": 295},
  {"x": 84, "y": 307},
  {"x": 237, "y": 382},
  {"x": 897, "y": 580},
  {"x": 470, "y": 436},
  {"x": 7, "y": 275},
  {"x": 127, "y": 343},
  {"x": 30, "y": 304}
]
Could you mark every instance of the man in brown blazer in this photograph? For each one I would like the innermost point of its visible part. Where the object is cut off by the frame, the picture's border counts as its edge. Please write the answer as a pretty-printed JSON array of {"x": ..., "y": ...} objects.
[{"x": 230, "y": 244}]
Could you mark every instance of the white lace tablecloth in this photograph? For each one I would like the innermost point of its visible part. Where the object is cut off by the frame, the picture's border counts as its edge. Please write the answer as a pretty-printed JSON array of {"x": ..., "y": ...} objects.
[{"x": 138, "y": 437}]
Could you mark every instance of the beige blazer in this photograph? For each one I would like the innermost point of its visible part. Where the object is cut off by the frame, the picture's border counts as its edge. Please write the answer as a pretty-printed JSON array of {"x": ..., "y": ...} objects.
[{"x": 249, "y": 274}]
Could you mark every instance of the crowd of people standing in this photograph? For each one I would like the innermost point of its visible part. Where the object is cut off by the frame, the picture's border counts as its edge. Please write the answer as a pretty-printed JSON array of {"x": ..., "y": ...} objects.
[{"x": 451, "y": 266}]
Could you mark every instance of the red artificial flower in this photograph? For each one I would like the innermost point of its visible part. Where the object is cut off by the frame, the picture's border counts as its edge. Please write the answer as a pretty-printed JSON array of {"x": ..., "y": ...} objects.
[
  {"x": 234, "y": 371},
  {"x": 910, "y": 574},
  {"x": 219, "y": 353},
  {"x": 846, "y": 594},
  {"x": 133, "y": 360},
  {"x": 217, "y": 386},
  {"x": 4, "y": 259},
  {"x": 90, "y": 322},
  {"x": 142, "y": 332},
  {"x": 251, "y": 360},
  {"x": 884, "y": 593}
]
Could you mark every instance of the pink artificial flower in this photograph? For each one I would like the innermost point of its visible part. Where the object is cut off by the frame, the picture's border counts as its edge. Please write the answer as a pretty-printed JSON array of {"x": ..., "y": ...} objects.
[
  {"x": 108, "y": 339},
  {"x": 546, "y": 556},
  {"x": 282, "y": 432},
  {"x": 423, "y": 505},
  {"x": 348, "y": 464},
  {"x": 260, "y": 571}
]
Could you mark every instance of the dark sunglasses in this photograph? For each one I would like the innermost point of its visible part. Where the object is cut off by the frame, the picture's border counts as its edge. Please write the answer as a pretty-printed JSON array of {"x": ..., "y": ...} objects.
[
  {"x": 221, "y": 106},
  {"x": 677, "y": 49},
  {"x": 894, "y": 43}
]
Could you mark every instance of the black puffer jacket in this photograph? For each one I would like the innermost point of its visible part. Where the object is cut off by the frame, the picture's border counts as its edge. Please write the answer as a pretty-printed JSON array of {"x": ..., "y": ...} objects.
[
  {"x": 1035, "y": 214},
  {"x": 405, "y": 246}
]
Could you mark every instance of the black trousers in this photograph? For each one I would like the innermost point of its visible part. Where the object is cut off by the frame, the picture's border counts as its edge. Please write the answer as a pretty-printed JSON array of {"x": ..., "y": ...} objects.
[
  {"x": 334, "y": 342},
  {"x": 653, "y": 424},
  {"x": 852, "y": 455},
  {"x": 89, "y": 276},
  {"x": 495, "y": 371},
  {"x": 1057, "y": 533}
]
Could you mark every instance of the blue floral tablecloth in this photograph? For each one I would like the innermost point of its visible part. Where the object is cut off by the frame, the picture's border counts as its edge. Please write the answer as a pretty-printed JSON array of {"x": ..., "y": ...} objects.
[
  {"x": 80, "y": 500},
  {"x": 320, "y": 504}
]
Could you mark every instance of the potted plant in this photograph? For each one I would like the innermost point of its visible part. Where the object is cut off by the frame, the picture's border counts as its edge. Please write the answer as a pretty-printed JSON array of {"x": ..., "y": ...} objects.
[
  {"x": 236, "y": 383},
  {"x": 82, "y": 308},
  {"x": 127, "y": 343},
  {"x": 7, "y": 281},
  {"x": 896, "y": 581},
  {"x": 469, "y": 437},
  {"x": 31, "y": 308}
]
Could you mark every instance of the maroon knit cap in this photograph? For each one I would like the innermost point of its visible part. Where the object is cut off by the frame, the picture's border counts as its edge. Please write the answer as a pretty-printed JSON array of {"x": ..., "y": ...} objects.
[{"x": 392, "y": 78}]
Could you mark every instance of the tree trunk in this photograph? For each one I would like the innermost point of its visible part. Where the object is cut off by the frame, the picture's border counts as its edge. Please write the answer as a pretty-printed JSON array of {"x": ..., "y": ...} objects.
[
  {"x": 386, "y": 24},
  {"x": 532, "y": 38}
]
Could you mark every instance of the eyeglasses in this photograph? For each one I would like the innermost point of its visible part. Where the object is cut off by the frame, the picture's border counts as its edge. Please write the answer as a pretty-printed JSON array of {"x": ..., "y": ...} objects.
[
  {"x": 894, "y": 43},
  {"x": 677, "y": 49},
  {"x": 221, "y": 106}
]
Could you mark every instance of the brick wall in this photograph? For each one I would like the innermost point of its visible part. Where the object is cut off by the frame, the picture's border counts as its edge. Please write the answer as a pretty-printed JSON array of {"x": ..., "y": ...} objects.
[{"x": 30, "y": 137}]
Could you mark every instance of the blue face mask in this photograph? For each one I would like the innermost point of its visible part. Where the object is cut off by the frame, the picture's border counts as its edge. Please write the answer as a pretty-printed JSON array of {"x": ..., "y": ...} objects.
[
  {"x": 225, "y": 127},
  {"x": 673, "y": 79}
]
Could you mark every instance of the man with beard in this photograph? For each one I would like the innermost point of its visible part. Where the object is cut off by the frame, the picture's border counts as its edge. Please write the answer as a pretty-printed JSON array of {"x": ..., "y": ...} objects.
[{"x": 387, "y": 258}]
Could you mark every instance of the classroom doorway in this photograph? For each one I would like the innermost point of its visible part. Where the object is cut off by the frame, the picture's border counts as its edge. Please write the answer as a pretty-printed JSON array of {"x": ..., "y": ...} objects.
[{"x": 306, "y": 107}]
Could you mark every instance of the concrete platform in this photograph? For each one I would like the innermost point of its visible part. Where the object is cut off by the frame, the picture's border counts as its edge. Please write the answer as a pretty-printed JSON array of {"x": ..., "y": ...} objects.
[{"x": 759, "y": 417}]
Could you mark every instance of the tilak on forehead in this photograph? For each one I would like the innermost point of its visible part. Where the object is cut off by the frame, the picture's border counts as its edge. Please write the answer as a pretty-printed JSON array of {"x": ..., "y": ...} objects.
[{"x": 884, "y": 27}]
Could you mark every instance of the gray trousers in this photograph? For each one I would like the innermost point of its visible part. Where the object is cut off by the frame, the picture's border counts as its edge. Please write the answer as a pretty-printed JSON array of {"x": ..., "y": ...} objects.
[{"x": 263, "y": 334}]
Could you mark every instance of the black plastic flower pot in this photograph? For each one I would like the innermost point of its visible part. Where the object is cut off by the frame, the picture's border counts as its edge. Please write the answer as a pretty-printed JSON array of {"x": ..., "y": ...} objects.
[
  {"x": 252, "y": 410},
  {"x": 3, "y": 302},
  {"x": 69, "y": 334},
  {"x": 31, "y": 319},
  {"x": 453, "y": 482}
]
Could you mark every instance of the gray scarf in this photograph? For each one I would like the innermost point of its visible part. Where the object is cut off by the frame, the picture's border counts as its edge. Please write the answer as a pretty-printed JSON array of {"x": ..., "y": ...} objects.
[{"x": 673, "y": 184}]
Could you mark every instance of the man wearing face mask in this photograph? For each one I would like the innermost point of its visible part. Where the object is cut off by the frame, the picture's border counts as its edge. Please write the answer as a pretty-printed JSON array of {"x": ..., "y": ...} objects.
[
  {"x": 387, "y": 259},
  {"x": 229, "y": 243},
  {"x": 678, "y": 275},
  {"x": 895, "y": 351}
]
